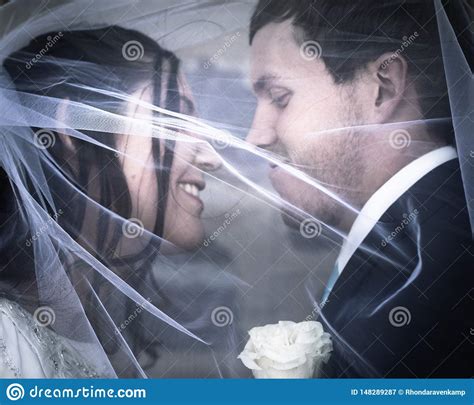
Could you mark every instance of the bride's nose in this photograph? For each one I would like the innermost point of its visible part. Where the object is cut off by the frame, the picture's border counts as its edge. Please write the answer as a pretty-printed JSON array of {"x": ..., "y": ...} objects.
[{"x": 206, "y": 157}]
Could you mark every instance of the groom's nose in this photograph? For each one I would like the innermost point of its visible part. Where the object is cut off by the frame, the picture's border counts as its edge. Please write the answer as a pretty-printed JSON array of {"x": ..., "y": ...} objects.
[{"x": 262, "y": 133}]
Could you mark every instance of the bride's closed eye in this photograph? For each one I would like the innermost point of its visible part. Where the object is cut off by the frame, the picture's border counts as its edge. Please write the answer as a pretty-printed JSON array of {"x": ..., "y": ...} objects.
[{"x": 279, "y": 96}]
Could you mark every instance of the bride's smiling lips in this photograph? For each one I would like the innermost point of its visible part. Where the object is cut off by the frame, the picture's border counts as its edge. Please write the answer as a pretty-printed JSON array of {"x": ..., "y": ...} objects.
[{"x": 189, "y": 188}]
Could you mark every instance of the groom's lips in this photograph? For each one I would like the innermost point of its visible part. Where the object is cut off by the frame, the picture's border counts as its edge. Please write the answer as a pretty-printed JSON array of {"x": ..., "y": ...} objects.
[
  {"x": 282, "y": 180},
  {"x": 279, "y": 174},
  {"x": 282, "y": 161},
  {"x": 282, "y": 183},
  {"x": 275, "y": 175}
]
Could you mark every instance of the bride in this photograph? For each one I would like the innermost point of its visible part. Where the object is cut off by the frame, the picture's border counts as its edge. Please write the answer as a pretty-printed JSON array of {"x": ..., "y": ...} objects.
[{"x": 94, "y": 186}]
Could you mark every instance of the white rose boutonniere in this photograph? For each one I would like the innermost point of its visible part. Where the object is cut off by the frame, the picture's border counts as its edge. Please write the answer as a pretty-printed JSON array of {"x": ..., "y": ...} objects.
[{"x": 287, "y": 350}]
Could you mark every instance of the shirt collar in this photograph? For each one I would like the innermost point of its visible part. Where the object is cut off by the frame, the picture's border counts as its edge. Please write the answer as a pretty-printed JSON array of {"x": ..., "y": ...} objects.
[{"x": 386, "y": 195}]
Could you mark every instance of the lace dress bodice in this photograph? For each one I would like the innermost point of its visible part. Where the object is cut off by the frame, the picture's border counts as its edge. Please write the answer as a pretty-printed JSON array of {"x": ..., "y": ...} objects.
[{"x": 28, "y": 350}]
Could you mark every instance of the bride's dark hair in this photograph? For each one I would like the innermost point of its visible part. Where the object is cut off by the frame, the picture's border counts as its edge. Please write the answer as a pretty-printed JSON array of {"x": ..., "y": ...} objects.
[{"x": 57, "y": 73}]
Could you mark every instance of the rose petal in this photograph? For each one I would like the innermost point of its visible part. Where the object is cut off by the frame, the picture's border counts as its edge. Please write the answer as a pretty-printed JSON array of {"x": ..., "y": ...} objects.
[{"x": 286, "y": 348}]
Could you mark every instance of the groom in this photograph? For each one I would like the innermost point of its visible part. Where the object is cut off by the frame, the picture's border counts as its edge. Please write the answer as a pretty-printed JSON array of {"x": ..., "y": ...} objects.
[{"x": 354, "y": 93}]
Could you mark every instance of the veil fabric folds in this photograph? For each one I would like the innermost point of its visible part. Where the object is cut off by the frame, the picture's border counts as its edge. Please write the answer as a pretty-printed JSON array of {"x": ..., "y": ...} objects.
[
  {"x": 459, "y": 76},
  {"x": 138, "y": 215}
]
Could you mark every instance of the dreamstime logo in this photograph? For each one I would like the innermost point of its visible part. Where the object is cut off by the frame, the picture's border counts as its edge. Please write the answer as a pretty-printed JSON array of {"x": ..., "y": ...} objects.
[
  {"x": 133, "y": 228},
  {"x": 132, "y": 50},
  {"x": 310, "y": 228},
  {"x": 316, "y": 311},
  {"x": 399, "y": 316},
  {"x": 471, "y": 154},
  {"x": 400, "y": 139},
  {"x": 221, "y": 51},
  {"x": 15, "y": 392},
  {"x": 407, "y": 219},
  {"x": 44, "y": 139},
  {"x": 221, "y": 140},
  {"x": 42, "y": 229},
  {"x": 131, "y": 317},
  {"x": 229, "y": 217},
  {"x": 44, "y": 316},
  {"x": 406, "y": 42},
  {"x": 51, "y": 42},
  {"x": 222, "y": 316},
  {"x": 310, "y": 50}
]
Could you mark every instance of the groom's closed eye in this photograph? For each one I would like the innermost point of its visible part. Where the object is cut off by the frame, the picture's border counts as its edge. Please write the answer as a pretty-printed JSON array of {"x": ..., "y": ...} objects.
[
  {"x": 267, "y": 86},
  {"x": 279, "y": 96}
]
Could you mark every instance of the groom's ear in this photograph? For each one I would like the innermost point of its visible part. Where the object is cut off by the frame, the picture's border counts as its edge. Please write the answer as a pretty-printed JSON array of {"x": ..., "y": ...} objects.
[{"x": 388, "y": 75}]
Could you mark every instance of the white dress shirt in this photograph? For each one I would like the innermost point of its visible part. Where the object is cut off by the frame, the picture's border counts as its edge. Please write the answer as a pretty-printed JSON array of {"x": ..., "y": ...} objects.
[{"x": 381, "y": 201}]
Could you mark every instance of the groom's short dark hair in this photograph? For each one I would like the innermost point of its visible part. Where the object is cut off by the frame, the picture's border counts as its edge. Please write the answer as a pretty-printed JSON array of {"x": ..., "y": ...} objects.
[{"x": 353, "y": 33}]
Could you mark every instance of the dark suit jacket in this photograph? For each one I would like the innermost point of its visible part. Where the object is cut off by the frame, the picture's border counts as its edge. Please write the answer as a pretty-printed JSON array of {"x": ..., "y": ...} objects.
[{"x": 403, "y": 305}]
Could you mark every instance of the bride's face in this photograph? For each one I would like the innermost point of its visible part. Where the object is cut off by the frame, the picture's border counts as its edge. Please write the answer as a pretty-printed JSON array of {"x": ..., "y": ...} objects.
[{"x": 183, "y": 226}]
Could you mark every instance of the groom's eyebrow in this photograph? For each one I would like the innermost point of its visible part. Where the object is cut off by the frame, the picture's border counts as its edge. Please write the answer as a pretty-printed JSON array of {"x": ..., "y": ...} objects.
[{"x": 262, "y": 83}]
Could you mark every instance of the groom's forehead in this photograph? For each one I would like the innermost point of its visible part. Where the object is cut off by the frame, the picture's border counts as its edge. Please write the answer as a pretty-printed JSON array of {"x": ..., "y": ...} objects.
[{"x": 273, "y": 42}]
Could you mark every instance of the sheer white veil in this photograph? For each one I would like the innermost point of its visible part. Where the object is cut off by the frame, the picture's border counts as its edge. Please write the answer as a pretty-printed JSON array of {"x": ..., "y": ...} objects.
[{"x": 121, "y": 292}]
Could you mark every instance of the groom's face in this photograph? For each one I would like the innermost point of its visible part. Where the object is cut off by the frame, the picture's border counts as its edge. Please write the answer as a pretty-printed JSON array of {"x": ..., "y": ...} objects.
[{"x": 300, "y": 116}]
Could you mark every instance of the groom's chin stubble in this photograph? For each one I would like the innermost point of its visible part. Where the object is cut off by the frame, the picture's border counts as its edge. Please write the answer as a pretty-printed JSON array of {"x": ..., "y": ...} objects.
[{"x": 332, "y": 216}]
